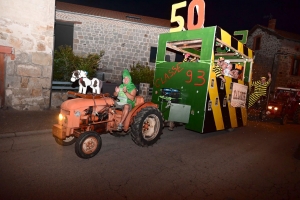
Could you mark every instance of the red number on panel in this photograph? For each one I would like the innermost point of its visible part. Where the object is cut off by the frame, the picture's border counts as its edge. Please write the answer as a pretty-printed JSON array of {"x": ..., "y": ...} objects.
[
  {"x": 201, "y": 77},
  {"x": 189, "y": 74}
]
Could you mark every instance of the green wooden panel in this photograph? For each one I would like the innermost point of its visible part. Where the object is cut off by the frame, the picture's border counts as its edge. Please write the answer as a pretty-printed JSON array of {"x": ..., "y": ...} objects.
[
  {"x": 247, "y": 72},
  {"x": 191, "y": 78}
]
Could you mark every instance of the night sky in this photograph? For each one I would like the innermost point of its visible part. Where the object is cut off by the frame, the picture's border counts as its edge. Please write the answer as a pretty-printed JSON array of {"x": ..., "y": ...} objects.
[{"x": 230, "y": 15}]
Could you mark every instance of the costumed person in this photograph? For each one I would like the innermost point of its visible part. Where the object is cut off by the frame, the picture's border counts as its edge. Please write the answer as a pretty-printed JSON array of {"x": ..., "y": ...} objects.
[
  {"x": 236, "y": 73},
  {"x": 187, "y": 58},
  {"x": 126, "y": 93},
  {"x": 227, "y": 67},
  {"x": 260, "y": 89},
  {"x": 218, "y": 69}
]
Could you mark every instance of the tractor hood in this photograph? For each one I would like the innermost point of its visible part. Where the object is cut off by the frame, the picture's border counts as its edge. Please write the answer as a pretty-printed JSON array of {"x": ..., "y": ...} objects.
[{"x": 78, "y": 103}]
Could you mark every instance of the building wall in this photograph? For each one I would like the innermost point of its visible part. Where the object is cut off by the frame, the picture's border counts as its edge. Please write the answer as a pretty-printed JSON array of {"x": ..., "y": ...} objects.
[
  {"x": 28, "y": 27},
  {"x": 270, "y": 58},
  {"x": 123, "y": 42},
  {"x": 264, "y": 56},
  {"x": 284, "y": 64}
]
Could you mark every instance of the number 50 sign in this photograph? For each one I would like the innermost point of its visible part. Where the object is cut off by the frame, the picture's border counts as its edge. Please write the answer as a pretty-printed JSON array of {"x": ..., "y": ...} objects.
[{"x": 200, "y": 7}]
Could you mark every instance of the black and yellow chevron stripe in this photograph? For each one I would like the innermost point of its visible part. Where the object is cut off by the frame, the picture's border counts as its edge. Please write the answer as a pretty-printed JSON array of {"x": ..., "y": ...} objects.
[
  {"x": 236, "y": 45},
  {"x": 219, "y": 114}
]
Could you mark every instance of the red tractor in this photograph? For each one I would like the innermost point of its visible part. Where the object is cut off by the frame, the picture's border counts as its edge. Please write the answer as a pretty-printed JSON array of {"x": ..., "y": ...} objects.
[
  {"x": 82, "y": 121},
  {"x": 285, "y": 105}
]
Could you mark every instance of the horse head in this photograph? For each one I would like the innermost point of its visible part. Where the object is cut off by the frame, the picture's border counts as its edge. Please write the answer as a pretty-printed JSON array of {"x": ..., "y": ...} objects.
[{"x": 77, "y": 74}]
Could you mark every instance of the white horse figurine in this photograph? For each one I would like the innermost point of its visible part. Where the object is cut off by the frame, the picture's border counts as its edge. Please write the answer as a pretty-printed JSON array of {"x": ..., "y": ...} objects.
[{"x": 84, "y": 82}]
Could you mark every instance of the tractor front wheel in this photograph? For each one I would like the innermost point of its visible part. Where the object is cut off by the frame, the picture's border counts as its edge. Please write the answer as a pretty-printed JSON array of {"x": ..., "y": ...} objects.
[
  {"x": 66, "y": 142},
  {"x": 88, "y": 144},
  {"x": 147, "y": 127}
]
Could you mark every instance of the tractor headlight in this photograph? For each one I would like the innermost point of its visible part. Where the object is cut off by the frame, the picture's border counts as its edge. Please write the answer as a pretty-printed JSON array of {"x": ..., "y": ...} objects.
[
  {"x": 270, "y": 107},
  {"x": 61, "y": 119},
  {"x": 275, "y": 108}
]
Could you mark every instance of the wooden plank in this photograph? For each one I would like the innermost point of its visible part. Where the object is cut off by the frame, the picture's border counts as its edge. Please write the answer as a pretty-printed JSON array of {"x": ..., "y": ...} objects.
[
  {"x": 89, "y": 96},
  {"x": 181, "y": 50},
  {"x": 187, "y": 42},
  {"x": 6, "y": 50}
]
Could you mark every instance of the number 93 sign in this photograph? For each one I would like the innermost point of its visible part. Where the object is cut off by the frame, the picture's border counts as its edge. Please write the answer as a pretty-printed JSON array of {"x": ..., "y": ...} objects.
[{"x": 200, "y": 7}]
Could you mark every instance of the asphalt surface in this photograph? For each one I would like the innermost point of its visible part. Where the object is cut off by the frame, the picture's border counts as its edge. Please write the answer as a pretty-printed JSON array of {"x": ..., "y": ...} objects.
[
  {"x": 17, "y": 123},
  {"x": 257, "y": 162}
]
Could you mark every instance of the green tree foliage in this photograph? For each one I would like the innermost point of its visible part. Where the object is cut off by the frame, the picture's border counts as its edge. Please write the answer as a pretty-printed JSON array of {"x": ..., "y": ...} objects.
[
  {"x": 65, "y": 62},
  {"x": 141, "y": 74}
]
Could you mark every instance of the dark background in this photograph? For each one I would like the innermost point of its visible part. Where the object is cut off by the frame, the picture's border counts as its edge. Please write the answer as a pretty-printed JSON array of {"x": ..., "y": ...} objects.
[{"x": 230, "y": 15}]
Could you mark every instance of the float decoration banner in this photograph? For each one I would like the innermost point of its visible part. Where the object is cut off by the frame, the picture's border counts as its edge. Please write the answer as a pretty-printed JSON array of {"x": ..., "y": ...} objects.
[{"x": 239, "y": 95}]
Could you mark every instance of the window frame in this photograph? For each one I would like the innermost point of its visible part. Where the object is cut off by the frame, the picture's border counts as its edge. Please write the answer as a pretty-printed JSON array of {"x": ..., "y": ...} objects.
[
  {"x": 295, "y": 61},
  {"x": 152, "y": 56},
  {"x": 257, "y": 46}
]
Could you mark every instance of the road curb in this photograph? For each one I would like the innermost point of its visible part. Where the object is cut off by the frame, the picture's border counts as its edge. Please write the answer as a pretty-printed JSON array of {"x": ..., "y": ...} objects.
[{"x": 25, "y": 133}]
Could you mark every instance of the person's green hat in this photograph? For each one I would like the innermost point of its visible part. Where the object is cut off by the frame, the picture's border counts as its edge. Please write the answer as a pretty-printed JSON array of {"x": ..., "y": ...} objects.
[
  {"x": 130, "y": 84},
  {"x": 126, "y": 74}
]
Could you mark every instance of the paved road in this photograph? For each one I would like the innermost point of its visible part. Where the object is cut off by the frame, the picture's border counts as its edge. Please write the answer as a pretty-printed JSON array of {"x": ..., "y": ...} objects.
[{"x": 260, "y": 161}]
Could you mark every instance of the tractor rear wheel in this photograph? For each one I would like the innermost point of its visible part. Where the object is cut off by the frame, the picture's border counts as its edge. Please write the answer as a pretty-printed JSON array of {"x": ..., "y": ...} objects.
[
  {"x": 297, "y": 116},
  {"x": 147, "y": 126},
  {"x": 88, "y": 144}
]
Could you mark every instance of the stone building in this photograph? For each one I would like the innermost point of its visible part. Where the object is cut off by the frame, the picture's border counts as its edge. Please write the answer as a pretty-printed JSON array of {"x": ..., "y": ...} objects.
[
  {"x": 277, "y": 52},
  {"x": 27, "y": 45},
  {"x": 26, "y": 48},
  {"x": 125, "y": 38}
]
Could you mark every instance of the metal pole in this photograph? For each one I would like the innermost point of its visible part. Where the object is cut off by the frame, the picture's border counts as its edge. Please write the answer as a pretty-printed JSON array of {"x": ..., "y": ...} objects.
[{"x": 51, "y": 79}]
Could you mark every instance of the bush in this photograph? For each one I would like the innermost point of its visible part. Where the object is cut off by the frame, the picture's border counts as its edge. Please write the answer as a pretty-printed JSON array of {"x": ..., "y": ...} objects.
[
  {"x": 65, "y": 62},
  {"x": 141, "y": 74}
]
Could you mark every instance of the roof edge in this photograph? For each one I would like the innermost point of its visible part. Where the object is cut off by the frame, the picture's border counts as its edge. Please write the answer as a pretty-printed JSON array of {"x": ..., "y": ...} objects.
[{"x": 64, "y": 11}]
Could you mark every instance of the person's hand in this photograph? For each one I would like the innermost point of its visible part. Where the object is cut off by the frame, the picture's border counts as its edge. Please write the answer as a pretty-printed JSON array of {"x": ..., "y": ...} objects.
[
  {"x": 223, "y": 79},
  {"x": 117, "y": 89},
  {"x": 269, "y": 74},
  {"x": 124, "y": 89}
]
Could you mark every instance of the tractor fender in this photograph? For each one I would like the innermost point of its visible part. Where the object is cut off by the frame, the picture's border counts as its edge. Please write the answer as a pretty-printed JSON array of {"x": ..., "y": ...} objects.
[{"x": 134, "y": 112}]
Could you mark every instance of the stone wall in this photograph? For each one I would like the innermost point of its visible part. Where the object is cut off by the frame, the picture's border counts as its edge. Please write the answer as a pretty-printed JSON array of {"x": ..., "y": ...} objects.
[
  {"x": 123, "y": 42},
  {"x": 144, "y": 91},
  {"x": 270, "y": 58},
  {"x": 264, "y": 56},
  {"x": 283, "y": 64},
  {"x": 28, "y": 27}
]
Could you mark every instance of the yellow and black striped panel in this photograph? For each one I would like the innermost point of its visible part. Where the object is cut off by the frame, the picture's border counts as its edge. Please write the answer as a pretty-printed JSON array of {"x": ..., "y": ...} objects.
[
  {"x": 219, "y": 114},
  {"x": 230, "y": 41}
]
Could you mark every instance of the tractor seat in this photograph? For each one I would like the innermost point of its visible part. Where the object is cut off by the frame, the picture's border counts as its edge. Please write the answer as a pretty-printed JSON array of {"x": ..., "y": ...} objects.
[{"x": 139, "y": 100}]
